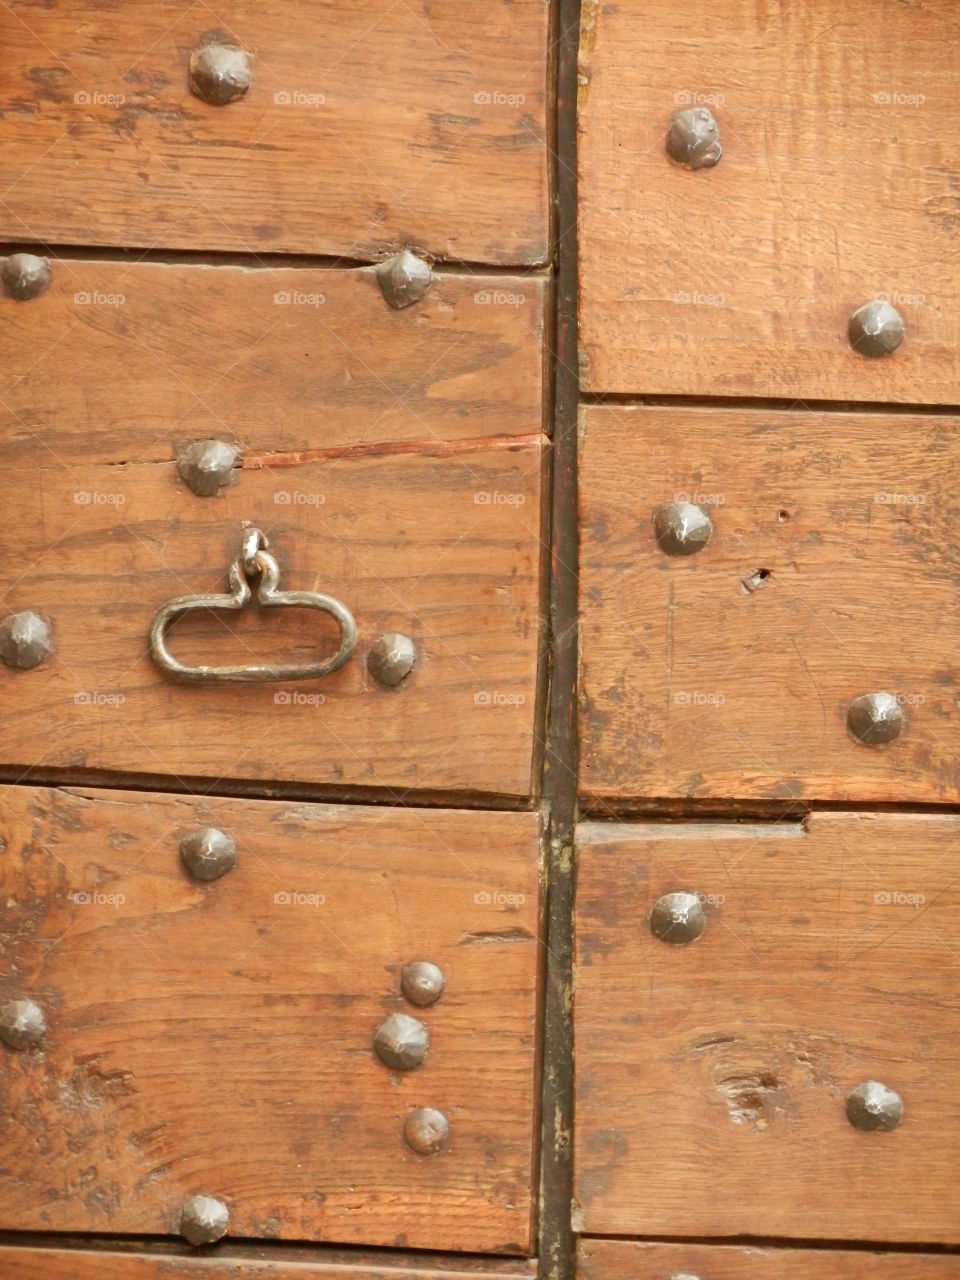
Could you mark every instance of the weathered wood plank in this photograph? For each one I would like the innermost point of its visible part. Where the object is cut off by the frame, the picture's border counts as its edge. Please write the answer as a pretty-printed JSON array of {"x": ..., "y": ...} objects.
[
  {"x": 634, "y": 1260},
  {"x": 217, "y": 1036},
  {"x": 831, "y": 572},
  {"x": 712, "y": 1077},
  {"x": 129, "y": 361},
  {"x": 366, "y": 126},
  {"x": 837, "y": 184},
  {"x": 443, "y": 547}
]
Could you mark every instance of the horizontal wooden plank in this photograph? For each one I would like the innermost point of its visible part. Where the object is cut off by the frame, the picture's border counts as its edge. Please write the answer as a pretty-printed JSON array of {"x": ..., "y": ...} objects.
[
  {"x": 712, "y": 1077},
  {"x": 128, "y": 361},
  {"x": 837, "y": 184},
  {"x": 232, "y": 1263},
  {"x": 217, "y": 1037},
  {"x": 366, "y": 126},
  {"x": 635, "y": 1260},
  {"x": 444, "y": 549},
  {"x": 831, "y": 572}
]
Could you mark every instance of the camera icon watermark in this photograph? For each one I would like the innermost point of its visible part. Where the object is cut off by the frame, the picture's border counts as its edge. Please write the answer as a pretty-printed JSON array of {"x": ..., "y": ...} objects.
[
  {"x": 296, "y": 98},
  {"x": 493, "y": 498},
  {"x": 296, "y": 298},
  {"x": 897, "y": 898},
  {"x": 294, "y": 898},
  {"x": 295, "y": 698},
  {"x": 84, "y": 698},
  {"x": 298, "y": 498},
  {"x": 93, "y": 498},
  {"x": 498, "y": 898},
  {"x": 495, "y": 698},
  {"x": 94, "y": 298},
  {"x": 94, "y": 898},
  {"x": 496, "y": 98},
  {"x": 93, "y": 98}
]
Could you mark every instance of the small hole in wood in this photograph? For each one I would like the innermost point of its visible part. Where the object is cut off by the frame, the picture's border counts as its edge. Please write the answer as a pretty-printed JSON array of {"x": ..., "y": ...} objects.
[
  {"x": 783, "y": 515},
  {"x": 754, "y": 581}
]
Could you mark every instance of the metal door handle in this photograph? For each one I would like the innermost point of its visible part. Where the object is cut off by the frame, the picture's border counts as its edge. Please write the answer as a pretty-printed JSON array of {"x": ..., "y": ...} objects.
[{"x": 253, "y": 565}]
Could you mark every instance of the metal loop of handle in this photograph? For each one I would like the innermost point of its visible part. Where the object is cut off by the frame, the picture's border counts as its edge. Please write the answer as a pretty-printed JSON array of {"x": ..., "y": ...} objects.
[{"x": 253, "y": 564}]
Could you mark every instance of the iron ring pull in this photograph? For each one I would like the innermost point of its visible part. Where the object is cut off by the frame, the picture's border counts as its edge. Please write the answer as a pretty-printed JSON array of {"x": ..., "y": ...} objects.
[{"x": 253, "y": 565}]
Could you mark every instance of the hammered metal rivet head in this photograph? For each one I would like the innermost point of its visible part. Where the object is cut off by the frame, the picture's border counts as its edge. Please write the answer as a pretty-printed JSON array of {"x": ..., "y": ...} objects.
[
  {"x": 401, "y": 1042},
  {"x": 693, "y": 139},
  {"x": 24, "y": 640},
  {"x": 422, "y": 983},
  {"x": 426, "y": 1131},
  {"x": 207, "y": 465},
  {"x": 873, "y": 1106},
  {"x": 208, "y": 853},
  {"x": 25, "y": 276},
  {"x": 876, "y": 329},
  {"x": 404, "y": 279},
  {"x": 391, "y": 658},
  {"x": 22, "y": 1024},
  {"x": 219, "y": 72},
  {"x": 204, "y": 1219},
  {"x": 681, "y": 528},
  {"x": 677, "y": 917},
  {"x": 875, "y": 719}
]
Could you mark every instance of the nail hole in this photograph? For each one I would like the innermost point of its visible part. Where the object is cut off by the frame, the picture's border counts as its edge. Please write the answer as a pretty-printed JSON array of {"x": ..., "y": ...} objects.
[
  {"x": 754, "y": 581},
  {"x": 783, "y": 515}
]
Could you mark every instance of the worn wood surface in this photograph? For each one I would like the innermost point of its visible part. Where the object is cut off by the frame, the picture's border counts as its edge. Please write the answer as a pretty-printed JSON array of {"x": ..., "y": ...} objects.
[
  {"x": 128, "y": 361},
  {"x": 694, "y": 685},
  {"x": 367, "y": 126},
  {"x": 218, "y": 1037},
  {"x": 712, "y": 1077},
  {"x": 632, "y": 1260},
  {"x": 232, "y": 1263},
  {"x": 442, "y": 545},
  {"x": 837, "y": 183}
]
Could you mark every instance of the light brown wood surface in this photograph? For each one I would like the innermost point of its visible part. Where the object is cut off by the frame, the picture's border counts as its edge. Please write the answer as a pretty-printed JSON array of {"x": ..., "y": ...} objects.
[
  {"x": 695, "y": 686},
  {"x": 128, "y": 361},
  {"x": 215, "y": 1037},
  {"x": 408, "y": 542},
  {"x": 838, "y": 182},
  {"x": 406, "y": 125},
  {"x": 230, "y": 1262},
  {"x": 712, "y": 1077},
  {"x": 632, "y": 1260}
]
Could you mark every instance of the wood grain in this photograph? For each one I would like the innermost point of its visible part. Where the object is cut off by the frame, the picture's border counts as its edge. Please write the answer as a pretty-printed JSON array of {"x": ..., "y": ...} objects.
[
  {"x": 712, "y": 1077},
  {"x": 837, "y": 184},
  {"x": 218, "y": 1037},
  {"x": 229, "y": 1263},
  {"x": 441, "y": 545},
  {"x": 693, "y": 685},
  {"x": 367, "y": 126},
  {"x": 633, "y": 1260},
  {"x": 129, "y": 361}
]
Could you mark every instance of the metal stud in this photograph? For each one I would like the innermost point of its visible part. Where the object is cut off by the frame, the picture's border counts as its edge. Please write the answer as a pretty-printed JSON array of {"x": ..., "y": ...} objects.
[
  {"x": 204, "y": 1219},
  {"x": 207, "y": 465},
  {"x": 401, "y": 1042},
  {"x": 24, "y": 640},
  {"x": 682, "y": 529},
  {"x": 219, "y": 70},
  {"x": 422, "y": 983},
  {"x": 404, "y": 279},
  {"x": 693, "y": 139},
  {"x": 876, "y": 329},
  {"x": 208, "y": 853},
  {"x": 873, "y": 1106},
  {"x": 875, "y": 719},
  {"x": 25, "y": 276},
  {"x": 678, "y": 917},
  {"x": 426, "y": 1131},
  {"x": 22, "y": 1024},
  {"x": 391, "y": 658}
]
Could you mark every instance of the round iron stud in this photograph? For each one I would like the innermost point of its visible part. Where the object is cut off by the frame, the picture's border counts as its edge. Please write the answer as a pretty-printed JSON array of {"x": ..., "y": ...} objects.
[
  {"x": 678, "y": 918},
  {"x": 219, "y": 71},
  {"x": 22, "y": 1024},
  {"x": 24, "y": 640},
  {"x": 681, "y": 528},
  {"x": 25, "y": 276},
  {"x": 873, "y": 1106},
  {"x": 422, "y": 983},
  {"x": 693, "y": 138},
  {"x": 208, "y": 853},
  {"x": 404, "y": 279},
  {"x": 875, "y": 719},
  {"x": 876, "y": 329},
  {"x": 204, "y": 1219},
  {"x": 426, "y": 1131},
  {"x": 391, "y": 658},
  {"x": 401, "y": 1042},
  {"x": 207, "y": 465}
]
